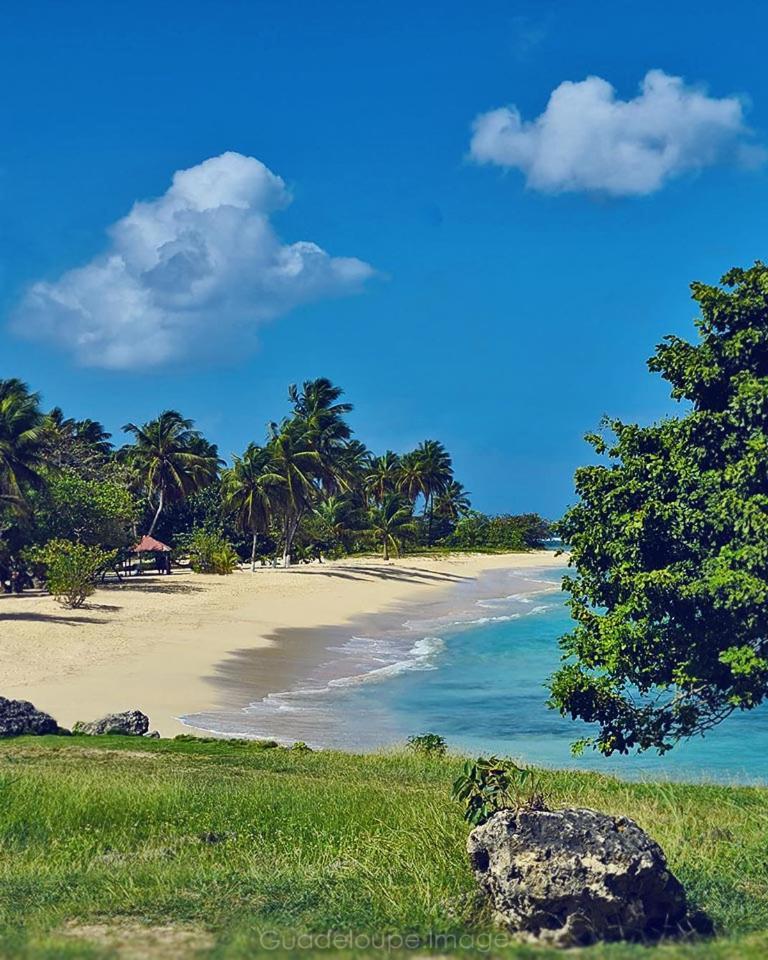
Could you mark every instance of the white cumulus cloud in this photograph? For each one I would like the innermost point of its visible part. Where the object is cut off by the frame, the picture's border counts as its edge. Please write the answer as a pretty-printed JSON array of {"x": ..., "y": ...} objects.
[
  {"x": 587, "y": 139},
  {"x": 189, "y": 274}
]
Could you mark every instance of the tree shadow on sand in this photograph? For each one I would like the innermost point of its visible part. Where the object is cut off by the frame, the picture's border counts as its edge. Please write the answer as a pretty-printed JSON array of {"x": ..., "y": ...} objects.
[
  {"x": 30, "y": 617},
  {"x": 400, "y": 574}
]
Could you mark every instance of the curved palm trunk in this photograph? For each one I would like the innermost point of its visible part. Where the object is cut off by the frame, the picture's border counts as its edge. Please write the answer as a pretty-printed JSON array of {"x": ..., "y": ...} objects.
[
  {"x": 157, "y": 512},
  {"x": 386, "y": 547},
  {"x": 253, "y": 553}
]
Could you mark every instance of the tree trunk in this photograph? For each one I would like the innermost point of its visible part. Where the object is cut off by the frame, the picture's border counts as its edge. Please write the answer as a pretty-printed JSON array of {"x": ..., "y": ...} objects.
[
  {"x": 253, "y": 553},
  {"x": 157, "y": 513},
  {"x": 287, "y": 539},
  {"x": 386, "y": 548}
]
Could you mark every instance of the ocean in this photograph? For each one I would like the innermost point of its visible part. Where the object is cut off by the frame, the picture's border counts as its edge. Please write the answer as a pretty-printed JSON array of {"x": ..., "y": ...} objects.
[{"x": 470, "y": 665}]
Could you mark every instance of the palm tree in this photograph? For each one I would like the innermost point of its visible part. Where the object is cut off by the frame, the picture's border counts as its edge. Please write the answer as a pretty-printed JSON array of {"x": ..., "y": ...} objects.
[
  {"x": 409, "y": 480},
  {"x": 337, "y": 516},
  {"x": 319, "y": 415},
  {"x": 390, "y": 522},
  {"x": 453, "y": 503},
  {"x": 171, "y": 459},
  {"x": 80, "y": 445},
  {"x": 21, "y": 436},
  {"x": 383, "y": 475},
  {"x": 435, "y": 472},
  {"x": 247, "y": 491},
  {"x": 294, "y": 468}
]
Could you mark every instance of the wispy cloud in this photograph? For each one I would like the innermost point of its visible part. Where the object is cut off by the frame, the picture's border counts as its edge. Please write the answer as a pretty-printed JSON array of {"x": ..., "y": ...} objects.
[
  {"x": 188, "y": 274},
  {"x": 587, "y": 139}
]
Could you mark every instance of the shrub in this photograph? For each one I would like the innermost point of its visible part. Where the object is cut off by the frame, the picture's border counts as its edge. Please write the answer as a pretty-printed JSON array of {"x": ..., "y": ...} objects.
[
  {"x": 211, "y": 553},
  {"x": 489, "y": 784},
  {"x": 71, "y": 569},
  {"x": 431, "y": 743}
]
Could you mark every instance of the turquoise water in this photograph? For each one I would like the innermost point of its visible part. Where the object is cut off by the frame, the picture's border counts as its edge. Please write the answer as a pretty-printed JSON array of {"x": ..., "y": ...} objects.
[{"x": 471, "y": 665}]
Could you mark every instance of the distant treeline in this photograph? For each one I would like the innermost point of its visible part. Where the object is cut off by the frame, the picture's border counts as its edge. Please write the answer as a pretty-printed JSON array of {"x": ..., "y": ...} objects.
[{"x": 308, "y": 490}]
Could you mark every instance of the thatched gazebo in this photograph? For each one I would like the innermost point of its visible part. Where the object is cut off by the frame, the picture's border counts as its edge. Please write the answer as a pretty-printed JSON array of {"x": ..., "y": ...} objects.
[{"x": 150, "y": 545}]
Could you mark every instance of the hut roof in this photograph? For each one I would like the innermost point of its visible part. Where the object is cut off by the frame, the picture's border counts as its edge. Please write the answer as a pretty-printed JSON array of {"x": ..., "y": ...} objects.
[{"x": 150, "y": 545}]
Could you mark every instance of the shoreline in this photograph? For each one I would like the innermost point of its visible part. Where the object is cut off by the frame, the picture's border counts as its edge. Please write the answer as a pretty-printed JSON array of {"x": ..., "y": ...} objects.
[{"x": 158, "y": 644}]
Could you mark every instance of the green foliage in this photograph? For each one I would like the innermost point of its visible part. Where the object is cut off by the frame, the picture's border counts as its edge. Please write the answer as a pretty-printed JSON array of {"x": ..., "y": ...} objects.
[
  {"x": 94, "y": 512},
  {"x": 211, "y": 553},
  {"x": 670, "y": 542},
  {"x": 21, "y": 430},
  {"x": 489, "y": 784},
  {"x": 431, "y": 743},
  {"x": 71, "y": 569},
  {"x": 506, "y": 532},
  {"x": 170, "y": 460}
]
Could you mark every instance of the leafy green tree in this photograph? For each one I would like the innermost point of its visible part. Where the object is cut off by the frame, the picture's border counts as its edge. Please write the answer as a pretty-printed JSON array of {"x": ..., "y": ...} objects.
[
  {"x": 391, "y": 522},
  {"x": 71, "y": 569},
  {"x": 21, "y": 439},
  {"x": 171, "y": 460},
  {"x": 211, "y": 553},
  {"x": 669, "y": 542},
  {"x": 92, "y": 512},
  {"x": 250, "y": 492}
]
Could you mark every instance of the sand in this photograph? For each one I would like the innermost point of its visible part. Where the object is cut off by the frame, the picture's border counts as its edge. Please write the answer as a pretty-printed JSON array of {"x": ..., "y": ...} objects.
[{"x": 154, "y": 643}]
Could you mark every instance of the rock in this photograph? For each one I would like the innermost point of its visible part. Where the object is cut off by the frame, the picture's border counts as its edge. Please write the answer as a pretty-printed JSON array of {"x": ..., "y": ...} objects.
[
  {"x": 18, "y": 717},
  {"x": 132, "y": 723},
  {"x": 153, "y": 735},
  {"x": 572, "y": 877}
]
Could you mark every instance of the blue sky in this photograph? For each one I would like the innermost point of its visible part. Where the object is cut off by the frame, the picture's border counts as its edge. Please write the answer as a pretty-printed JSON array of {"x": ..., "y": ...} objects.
[{"x": 503, "y": 314}]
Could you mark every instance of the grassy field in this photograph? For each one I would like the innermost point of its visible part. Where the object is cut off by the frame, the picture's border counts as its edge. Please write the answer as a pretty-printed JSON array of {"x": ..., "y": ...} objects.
[{"x": 121, "y": 847}]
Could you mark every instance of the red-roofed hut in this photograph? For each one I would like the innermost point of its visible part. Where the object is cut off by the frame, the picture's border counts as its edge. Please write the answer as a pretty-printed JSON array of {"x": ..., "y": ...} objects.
[{"x": 150, "y": 545}]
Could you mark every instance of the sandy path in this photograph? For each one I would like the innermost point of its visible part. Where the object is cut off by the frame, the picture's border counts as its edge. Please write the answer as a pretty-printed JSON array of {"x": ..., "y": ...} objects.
[{"x": 154, "y": 643}]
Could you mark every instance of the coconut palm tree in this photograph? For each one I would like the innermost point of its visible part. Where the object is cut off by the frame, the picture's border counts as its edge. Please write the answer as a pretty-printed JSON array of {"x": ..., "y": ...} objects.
[
  {"x": 171, "y": 460},
  {"x": 319, "y": 415},
  {"x": 410, "y": 476},
  {"x": 453, "y": 503},
  {"x": 436, "y": 472},
  {"x": 21, "y": 438},
  {"x": 390, "y": 522},
  {"x": 80, "y": 445},
  {"x": 338, "y": 516},
  {"x": 383, "y": 475},
  {"x": 247, "y": 491},
  {"x": 293, "y": 473}
]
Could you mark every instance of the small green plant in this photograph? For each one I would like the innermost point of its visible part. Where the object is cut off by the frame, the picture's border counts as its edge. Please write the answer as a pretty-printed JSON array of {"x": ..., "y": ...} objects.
[
  {"x": 211, "y": 553},
  {"x": 490, "y": 784},
  {"x": 71, "y": 569},
  {"x": 301, "y": 747},
  {"x": 430, "y": 743}
]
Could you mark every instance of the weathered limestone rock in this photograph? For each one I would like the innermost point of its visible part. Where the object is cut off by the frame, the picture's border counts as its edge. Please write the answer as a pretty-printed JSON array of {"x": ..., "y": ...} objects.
[
  {"x": 572, "y": 877},
  {"x": 132, "y": 723},
  {"x": 18, "y": 717}
]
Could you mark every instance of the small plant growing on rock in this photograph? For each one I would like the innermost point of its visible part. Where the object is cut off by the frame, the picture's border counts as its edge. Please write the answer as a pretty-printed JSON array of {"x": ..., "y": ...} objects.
[
  {"x": 490, "y": 784},
  {"x": 429, "y": 743}
]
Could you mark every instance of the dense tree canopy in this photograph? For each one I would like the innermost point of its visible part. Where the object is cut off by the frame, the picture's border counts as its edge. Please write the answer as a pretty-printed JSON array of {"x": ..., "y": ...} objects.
[
  {"x": 669, "y": 542},
  {"x": 310, "y": 489}
]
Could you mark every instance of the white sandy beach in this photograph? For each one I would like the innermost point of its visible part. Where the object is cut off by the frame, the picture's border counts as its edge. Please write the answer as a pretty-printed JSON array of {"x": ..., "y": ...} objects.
[{"x": 154, "y": 643}]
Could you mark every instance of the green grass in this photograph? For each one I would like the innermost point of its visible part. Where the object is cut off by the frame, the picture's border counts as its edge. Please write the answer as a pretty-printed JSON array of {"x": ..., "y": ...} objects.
[{"x": 255, "y": 845}]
